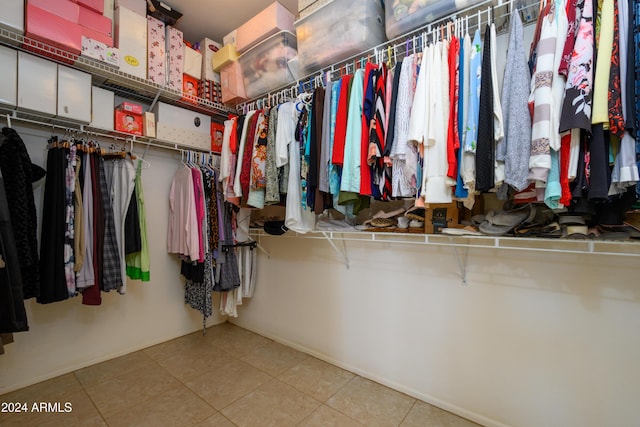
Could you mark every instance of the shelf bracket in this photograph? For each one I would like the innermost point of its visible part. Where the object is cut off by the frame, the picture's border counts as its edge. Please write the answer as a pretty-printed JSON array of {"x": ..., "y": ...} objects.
[
  {"x": 260, "y": 247},
  {"x": 462, "y": 262},
  {"x": 341, "y": 252},
  {"x": 153, "y": 103}
]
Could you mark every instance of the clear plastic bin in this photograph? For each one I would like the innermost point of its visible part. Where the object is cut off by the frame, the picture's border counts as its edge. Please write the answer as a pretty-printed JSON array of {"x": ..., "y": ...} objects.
[
  {"x": 403, "y": 16},
  {"x": 338, "y": 30},
  {"x": 265, "y": 66}
]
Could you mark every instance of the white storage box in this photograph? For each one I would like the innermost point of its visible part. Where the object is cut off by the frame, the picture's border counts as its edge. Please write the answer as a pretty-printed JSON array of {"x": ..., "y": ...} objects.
[
  {"x": 9, "y": 73},
  {"x": 403, "y": 17},
  {"x": 182, "y": 126},
  {"x": 37, "y": 84},
  {"x": 183, "y": 137},
  {"x": 74, "y": 95},
  {"x": 192, "y": 62},
  {"x": 208, "y": 47},
  {"x": 338, "y": 30},
  {"x": 12, "y": 15},
  {"x": 131, "y": 39},
  {"x": 102, "y": 104},
  {"x": 265, "y": 66}
]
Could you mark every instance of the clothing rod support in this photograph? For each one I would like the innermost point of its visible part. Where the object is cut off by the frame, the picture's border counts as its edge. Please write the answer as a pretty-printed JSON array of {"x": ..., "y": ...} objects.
[
  {"x": 343, "y": 253},
  {"x": 462, "y": 263}
]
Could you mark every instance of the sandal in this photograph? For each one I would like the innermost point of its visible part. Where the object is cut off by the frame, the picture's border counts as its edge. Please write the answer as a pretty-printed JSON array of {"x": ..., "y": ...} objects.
[{"x": 416, "y": 213}]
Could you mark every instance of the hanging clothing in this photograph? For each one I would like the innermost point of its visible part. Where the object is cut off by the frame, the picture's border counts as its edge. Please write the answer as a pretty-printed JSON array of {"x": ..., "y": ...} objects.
[
  {"x": 603, "y": 65},
  {"x": 403, "y": 154},
  {"x": 13, "y": 316},
  {"x": 576, "y": 109},
  {"x": 516, "y": 149},
  {"x": 498, "y": 121},
  {"x": 69, "y": 213},
  {"x": 111, "y": 261},
  {"x": 53, "y": 286},
  {"x": 485, "y": 150},
  {"x": 86, "y": 276},
  {"x": 139, "y": 263},
  {"x": 182, "y": 233},
  {"x": 272, "y": 185},
  {"x": 471, "y": 127},
  {"x": 91, "y": 294},
  {"x": 352, "y": 152},
  {"x": 19, "y": 175}
]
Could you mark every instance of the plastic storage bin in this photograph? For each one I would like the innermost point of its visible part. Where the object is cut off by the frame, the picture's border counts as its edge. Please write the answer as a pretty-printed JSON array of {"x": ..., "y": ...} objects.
[
  {"x": 403, "y": 16},
  {"x": 265, "y": 66},
  {"x": 338, "y": 30}
]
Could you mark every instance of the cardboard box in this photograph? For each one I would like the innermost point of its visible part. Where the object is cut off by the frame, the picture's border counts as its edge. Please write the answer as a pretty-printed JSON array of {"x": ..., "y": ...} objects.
[
  {"x": 131, "y": 40},
  {"x": 37, "y": 84},
  {"x": 130, "y": 107},
  {"x": 102, "y": 102},
  {"x": 149, "y": 122},
  {"x": 232, "y": 84},
  {"x": 9, "y": 73},
  {"x": 137, "y": 6},
  {"x": 156, "y": 45},
  {"x": 53, "y": 30},
  {"x": 175, "y": 58},
  {"x": 95, "y": 5},
  {"x": 74, "y": 95},
  {"x": 441, "y": 215},
  {"x": 128, "y": 122},
  {"x": 192, "y": 62},
  {"x": 95, "y": 21},
  {"x": 208, "y": 48},
  {"x": 12, "y": 16},
  {"x": 271, "y": 20},
  {"x": 190, "y": 88},
  {"x": 224, "y": 57}
]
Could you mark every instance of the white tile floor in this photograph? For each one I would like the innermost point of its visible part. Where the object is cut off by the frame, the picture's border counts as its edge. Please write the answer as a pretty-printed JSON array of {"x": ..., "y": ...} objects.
[{"x": 228, "y": 377}]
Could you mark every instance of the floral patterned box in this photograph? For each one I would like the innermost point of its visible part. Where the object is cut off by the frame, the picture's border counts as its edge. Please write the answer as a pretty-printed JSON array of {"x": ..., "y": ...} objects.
[
  {"x": 156, "y": 57},
  {"x": 175, "y": 58}
]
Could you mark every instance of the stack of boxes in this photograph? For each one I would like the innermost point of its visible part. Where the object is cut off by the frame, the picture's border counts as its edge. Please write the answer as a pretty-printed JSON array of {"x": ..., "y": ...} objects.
[
  {"x": 210, "y": 79},
  {"x": 128, "y": 118},
  {"x": 266, "y": 43}
]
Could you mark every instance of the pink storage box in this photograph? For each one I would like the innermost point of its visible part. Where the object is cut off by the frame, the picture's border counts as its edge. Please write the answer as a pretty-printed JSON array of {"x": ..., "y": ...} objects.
[
  {"x": 270, "y": 21},
  {"x": 232, "y": 84},
  {"x": 156, "y": 56},
  {"x": 95, "y": 21},
  {"x": 96, "y": 35},
  {"x": 53, "y": 30},
  {"x": 95, "y": 5},
  {"x": 63, "y": 8},
  {"x": 175, "y": 58}
]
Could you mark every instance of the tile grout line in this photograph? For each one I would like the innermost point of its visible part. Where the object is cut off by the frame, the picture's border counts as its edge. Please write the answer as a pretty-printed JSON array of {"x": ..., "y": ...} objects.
[
  {"x": 415, "y": 402},
  {"x": 346, "y": 384},
  {"x": 104, "y": 418}
]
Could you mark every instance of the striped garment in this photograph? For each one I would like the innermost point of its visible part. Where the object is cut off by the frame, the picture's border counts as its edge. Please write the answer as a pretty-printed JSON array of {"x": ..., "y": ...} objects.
[
  {"x": 540, "y": 97},
  {"x": 380, "y": 175}
]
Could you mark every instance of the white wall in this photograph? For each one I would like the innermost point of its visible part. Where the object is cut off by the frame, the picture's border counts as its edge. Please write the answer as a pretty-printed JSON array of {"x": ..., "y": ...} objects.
[
  {"x": 67, "y": 335},
  {"x": 535, "y": 339}
]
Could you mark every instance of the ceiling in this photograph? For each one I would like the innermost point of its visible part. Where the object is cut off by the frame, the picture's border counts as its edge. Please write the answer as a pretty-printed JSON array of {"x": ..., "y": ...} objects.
[{"x": 216, "y": 18}]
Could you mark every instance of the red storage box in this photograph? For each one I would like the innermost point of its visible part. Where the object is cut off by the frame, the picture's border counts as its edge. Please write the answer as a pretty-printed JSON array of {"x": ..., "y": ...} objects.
[
  {"x": 95, "y": 5},
  {"x": 130, "y": 107},
  {"x": 190, "y": 86},
  {"x": 63, "y": 8},
  {"x": 95, "y": 21},
  {"x": 52, "y": 30},
  {"x": 128, "y": 122}
]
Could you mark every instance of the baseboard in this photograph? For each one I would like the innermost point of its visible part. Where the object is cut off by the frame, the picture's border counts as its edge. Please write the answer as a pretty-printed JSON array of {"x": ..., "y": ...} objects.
[
  {"x": 103, "y": 358},
  {"x": 447, "y": 406}
]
